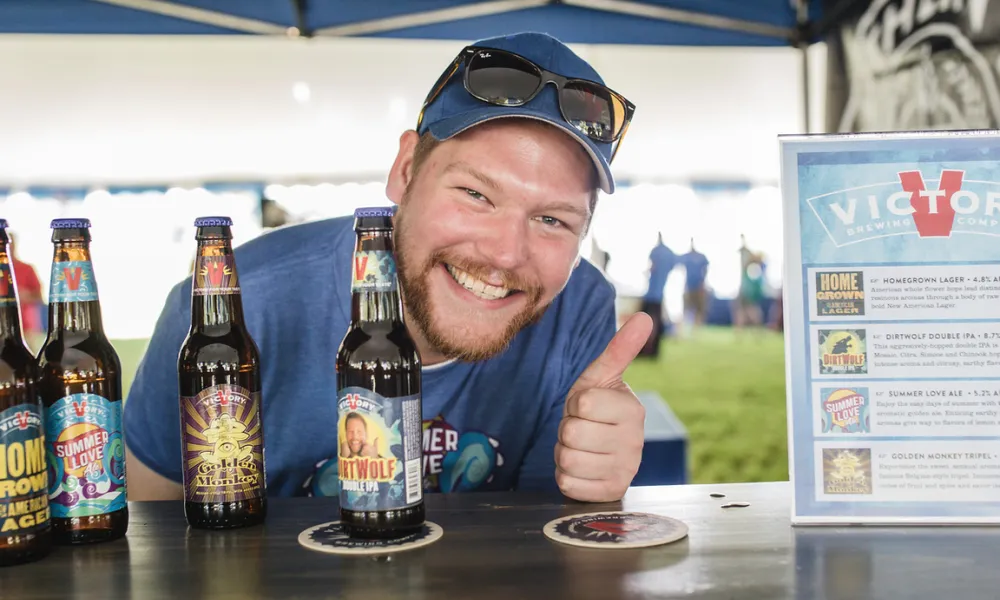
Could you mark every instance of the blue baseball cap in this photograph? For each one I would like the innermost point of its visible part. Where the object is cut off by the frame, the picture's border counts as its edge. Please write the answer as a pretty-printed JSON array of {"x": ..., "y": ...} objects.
[{"x": 455, "y": 110}]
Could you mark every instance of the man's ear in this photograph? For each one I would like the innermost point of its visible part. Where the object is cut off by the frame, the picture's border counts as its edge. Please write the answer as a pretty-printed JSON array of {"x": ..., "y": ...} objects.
[{"x": 402, "y": 168}]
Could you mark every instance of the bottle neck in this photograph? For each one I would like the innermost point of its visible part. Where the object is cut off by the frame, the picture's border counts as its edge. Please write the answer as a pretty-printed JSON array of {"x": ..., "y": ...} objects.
[
  {"x": 10, "y": 316},
  {"x": 374, "y": 285},
  {"x": 216, "y": 303},
  {"x": 74, "y": 304}
]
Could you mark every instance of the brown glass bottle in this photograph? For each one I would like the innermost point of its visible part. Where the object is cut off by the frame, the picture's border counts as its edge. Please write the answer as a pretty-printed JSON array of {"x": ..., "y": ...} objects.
[
  {"x": 222, "y": 433},
  {"x": 380, "y": 451},
  {"x": 81, "y": 389},
  {"x": 25, "y": 530}
]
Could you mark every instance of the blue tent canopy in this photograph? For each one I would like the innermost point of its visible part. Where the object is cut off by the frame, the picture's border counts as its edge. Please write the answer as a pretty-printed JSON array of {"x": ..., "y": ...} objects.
[{"x": 658, "y": 22}]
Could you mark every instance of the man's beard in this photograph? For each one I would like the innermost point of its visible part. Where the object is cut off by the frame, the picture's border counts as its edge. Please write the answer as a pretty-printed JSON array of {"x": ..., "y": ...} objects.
[{"x": 413, "y": 279}]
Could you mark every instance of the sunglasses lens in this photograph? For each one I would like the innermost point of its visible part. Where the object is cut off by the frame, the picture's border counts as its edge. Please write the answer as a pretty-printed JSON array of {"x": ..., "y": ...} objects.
[
  {"x": 594, "y": 110},
  {"x": 501, "y": 78}
]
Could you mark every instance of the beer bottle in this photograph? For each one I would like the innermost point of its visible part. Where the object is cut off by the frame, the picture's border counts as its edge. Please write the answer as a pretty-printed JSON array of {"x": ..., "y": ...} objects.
[
  {"x": 222, "y": 434},
  {"x": 380, "y": 451},
  {"x": 81, "y": 389},
  {"x": 25, "y": 531}
]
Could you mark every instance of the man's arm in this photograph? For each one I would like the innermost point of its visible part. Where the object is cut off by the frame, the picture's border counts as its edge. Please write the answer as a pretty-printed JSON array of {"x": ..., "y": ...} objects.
[
  {"x": 152, "y": 408},
  {"x": 146, "y": 484}
]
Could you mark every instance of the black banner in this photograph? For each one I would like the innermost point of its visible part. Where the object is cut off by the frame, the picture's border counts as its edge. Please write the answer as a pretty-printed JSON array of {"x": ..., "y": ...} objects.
[{"x": 904, "y": 65}]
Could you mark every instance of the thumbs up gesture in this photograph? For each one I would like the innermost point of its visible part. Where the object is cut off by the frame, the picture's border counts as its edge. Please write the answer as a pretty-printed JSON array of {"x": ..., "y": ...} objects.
[{"x": 601, "y": 432}]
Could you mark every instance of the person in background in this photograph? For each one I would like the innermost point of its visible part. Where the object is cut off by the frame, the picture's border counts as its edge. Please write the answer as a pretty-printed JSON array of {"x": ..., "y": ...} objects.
[
  {"x": 662, "y": 261},
  {"x": 29, "y": 293},
  {"x": 749, "y": 310},
  {"x": 695, "y": 296}
]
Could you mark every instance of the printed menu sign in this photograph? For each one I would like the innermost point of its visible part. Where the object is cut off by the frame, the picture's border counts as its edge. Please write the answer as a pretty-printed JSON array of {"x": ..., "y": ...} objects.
[{"x": 892, "y": 328}]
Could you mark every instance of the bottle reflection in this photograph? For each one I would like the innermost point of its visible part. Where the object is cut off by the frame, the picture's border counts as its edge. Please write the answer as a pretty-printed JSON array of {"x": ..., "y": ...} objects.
[
  {"x": 223, "y": 564},
  {"x": 96, "y": 571}
]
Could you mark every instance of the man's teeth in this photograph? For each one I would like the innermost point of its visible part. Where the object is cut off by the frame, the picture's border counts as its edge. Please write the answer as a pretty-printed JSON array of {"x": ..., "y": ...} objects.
[{"x": 477, "y": 286}]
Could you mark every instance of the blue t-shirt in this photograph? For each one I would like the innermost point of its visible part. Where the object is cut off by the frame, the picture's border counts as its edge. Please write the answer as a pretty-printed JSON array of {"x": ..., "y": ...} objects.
[
  {"x": 488, "y": 425},
  {"x": 696, "y": 265},
  {"x": 662, "y": 261}
]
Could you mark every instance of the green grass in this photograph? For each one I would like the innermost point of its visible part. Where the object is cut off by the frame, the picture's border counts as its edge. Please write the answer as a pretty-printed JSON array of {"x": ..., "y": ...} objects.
[
  {"x": 728, "y": 389},
  {"x": 129, "y": 353}
]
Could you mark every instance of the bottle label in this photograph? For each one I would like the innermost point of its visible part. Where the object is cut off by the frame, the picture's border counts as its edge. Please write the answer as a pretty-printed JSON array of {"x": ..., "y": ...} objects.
[
  {"x": 374, "y": 271},
  {"x": 24, "y": 484},
  {"x": 379, "y": 457},
  {"x": 215, "y": 275},
  {"x": 72, "y": 281},
  {"x": 223, "y": 445},
  {"x": 7, "y": 295},
  {"x": 83, "y": 438}
]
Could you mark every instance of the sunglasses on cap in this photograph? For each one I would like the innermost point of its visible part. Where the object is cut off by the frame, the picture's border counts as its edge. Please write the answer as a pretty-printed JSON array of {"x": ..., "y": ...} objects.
[{"x": 502, "y": 78}]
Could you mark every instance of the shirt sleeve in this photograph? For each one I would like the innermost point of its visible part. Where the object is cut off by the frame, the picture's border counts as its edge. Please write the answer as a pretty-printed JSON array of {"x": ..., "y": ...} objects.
[
  {"x": 594, "y": 326},
  {"x": 152, "y": 407}
]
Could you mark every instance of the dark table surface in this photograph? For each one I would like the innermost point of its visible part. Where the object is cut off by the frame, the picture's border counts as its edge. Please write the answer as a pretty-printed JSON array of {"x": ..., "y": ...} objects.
[{"x": 493, "y": 547}]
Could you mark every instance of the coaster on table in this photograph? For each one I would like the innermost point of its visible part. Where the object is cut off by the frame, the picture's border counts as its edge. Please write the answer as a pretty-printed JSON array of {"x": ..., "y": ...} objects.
[
  {"x": 331, "y": 538},
  {"x": 615, "y": 529}
]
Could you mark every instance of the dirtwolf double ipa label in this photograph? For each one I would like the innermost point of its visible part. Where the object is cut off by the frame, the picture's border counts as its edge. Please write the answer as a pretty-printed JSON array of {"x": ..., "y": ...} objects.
[{"x": 379, "y": 441}]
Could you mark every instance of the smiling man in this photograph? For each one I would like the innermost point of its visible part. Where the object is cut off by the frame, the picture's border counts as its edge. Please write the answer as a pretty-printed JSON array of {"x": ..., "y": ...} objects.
[{"x": 522, "y": 375}]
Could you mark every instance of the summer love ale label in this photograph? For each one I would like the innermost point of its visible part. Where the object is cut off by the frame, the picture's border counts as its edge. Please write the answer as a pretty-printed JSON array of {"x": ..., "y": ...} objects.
[
  {"x": 7, "y": 295},
  {"x": 215, "y": 275},
  {"x": 223, "y": 445},
  {"x": 374, "y": 271},
  {"x": 72, "y": 281},
  {"x": 379, "y": 456},
  {"x": 24, "y": 487},
  {"x": 83, "y": 438}
]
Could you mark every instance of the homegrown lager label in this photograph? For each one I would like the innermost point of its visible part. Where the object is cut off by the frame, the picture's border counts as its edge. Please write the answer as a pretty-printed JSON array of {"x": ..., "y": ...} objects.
[{"x": 24, "y": 500}]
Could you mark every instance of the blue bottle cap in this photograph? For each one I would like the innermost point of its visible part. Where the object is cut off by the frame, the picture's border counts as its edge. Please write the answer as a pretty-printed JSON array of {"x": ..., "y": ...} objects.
[
  {"x": 375, "y": 211},
  {"x": 3, "y": 223},
  {"x": 213, "y": 222},
  {"x": 70, "y": 223}
]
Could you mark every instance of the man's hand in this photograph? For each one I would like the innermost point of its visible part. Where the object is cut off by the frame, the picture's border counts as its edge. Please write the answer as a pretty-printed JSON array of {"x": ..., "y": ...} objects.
[
  {"x": 601, "y": 433},
  {"x": 370, "y": 450}
]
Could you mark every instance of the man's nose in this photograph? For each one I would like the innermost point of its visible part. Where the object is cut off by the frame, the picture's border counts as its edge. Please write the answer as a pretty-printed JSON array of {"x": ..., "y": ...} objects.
[{"x": 505, "y": 242}]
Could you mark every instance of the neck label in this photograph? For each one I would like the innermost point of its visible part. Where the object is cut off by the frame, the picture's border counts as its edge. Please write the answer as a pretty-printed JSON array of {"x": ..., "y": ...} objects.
[
  {"x": 72, "y": 281},
  {"x": 215, "y": 275},
  {"x": 7, "y": 296},
  {"x": 373, "y": 271}
]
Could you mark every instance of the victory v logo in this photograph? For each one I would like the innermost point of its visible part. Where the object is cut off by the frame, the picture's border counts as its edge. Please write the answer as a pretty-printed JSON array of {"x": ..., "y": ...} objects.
[
  {"x": 73, "y": 276},
  {"x": 911, "y": 205}
]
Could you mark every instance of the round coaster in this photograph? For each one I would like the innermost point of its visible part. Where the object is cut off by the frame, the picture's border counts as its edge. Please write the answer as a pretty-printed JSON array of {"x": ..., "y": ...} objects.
[
  {"x": 331, "y": 538},
  {"x": 615, "y": 529}
]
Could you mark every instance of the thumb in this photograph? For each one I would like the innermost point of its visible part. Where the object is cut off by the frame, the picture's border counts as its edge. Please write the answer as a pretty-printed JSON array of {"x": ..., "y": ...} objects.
[{"x": 607, "y": 369}]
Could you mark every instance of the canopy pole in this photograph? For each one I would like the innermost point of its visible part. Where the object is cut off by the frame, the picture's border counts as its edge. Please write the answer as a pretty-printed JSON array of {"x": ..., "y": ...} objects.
[{"x": 802, "y": 40}]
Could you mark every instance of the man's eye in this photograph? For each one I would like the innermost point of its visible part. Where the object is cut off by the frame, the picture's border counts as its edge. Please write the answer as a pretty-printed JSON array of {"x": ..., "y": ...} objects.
[
  {"x": 551, "y": 221},
  {"x": 476, "y": 195}
]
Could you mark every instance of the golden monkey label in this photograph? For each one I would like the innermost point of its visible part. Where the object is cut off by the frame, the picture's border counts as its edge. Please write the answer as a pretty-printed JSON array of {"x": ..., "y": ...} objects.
[
  {"x": 223, "y": 445},
  {"x": 24, "y": 484},
  {"x": 847, "y": 470},
  {"x": 379, "y": 450},
  {"x": 842, "y": 352},
  {"x": 840, "y": 293}
]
